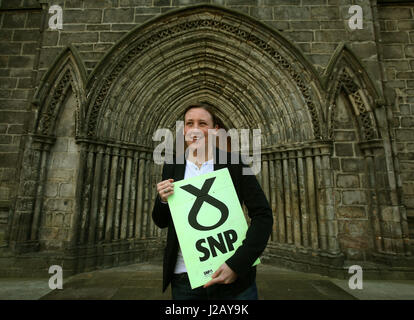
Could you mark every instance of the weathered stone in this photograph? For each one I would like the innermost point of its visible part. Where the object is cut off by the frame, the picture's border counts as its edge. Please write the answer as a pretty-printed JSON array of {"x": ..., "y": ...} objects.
[
  {"x": 26, "y": 35},
  {"x": 394, "y": 37},
  {"x": 14, "y": 20},
  {"x": 21, "y": 61},
  {"x": 164, "y": 3},
  {"x": 291, "y": 13},
  {"x": 110, "y": 36},
  {"x": 82, "y": 16},
  {"x": 143, "y": 18},
  {"x": 98, "y": 4},
  {"x": 353, "y": 197},
  {"x": 347, "y": 181},
  {"x": 261, "y": 13},
  {"x": 405, "y": 134},
  {"x": 323, "y": 47},
  {"x": 10, "y": 48},
  {"x": 67, "y": 38},
  {"x": 261, "y": 76},
  {"x": 344, "y": 149},
  {"x": 351, "y": 212},
  {"x": 330, "y": 35},
  {"x": 324, "y": 13},
  {"x": 395, "y": 13},
  {"x": 67, "y": 190},
  {"x": 134, "y": 3},
  {"x": 118, "y": 15},
  {"x": 8, "y": 160},
  {"x": 393, "y": 51}
]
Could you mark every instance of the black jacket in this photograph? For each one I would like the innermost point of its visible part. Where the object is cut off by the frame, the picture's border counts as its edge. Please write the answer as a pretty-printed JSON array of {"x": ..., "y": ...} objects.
[{"x": 251, "y": 194}]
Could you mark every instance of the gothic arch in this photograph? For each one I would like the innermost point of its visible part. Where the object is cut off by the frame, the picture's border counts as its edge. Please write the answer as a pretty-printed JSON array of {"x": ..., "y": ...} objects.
[
  {"x": 206, "y": 49},
  {"x": 256, "y": 78},
  {"x": 345, "y": 74},
  {"x": 67, "y": 73},
  {"x": 64, "y": 79},
  {"x": 346, "y": 79}
]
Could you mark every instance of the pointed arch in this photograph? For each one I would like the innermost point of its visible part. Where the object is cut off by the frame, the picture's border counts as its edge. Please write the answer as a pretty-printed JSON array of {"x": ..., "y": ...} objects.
[
  {"x": 204, "y": 48},
  {"x": 66, "y": 73},
  {"x": 346, "y": 75}
]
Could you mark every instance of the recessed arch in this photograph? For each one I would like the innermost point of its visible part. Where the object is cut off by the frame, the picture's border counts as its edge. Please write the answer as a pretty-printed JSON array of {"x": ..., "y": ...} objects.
[
  {"x": 346, "y": 75},
  {"x": 237, "y": 54},
  {"x": 67, "y": 73}
]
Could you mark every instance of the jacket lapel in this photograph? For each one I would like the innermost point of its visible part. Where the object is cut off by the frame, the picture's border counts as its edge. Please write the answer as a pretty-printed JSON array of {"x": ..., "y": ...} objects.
[
  {"x": 217, "y": 164},
  {"x": 179, "y": 171}
]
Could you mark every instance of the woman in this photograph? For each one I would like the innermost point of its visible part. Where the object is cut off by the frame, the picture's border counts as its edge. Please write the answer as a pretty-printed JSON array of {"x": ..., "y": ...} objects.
[{"x": 236, "y": 278}]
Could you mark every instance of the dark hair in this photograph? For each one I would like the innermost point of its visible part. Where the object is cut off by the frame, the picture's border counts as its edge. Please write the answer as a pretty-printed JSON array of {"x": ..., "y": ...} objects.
[{"x": 210, "y": 109}]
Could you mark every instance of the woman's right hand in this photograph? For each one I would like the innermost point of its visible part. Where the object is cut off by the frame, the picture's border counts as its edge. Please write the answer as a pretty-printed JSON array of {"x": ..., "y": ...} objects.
[{"x": 165, "y": 189}]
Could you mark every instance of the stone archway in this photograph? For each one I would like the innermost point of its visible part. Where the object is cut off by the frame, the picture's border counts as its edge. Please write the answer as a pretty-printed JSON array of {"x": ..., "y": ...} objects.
[{"x": 257, "y": 79}]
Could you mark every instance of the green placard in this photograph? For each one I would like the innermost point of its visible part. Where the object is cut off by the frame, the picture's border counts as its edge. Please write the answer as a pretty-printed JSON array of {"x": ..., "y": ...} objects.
[{"x": 209, "y": 222}]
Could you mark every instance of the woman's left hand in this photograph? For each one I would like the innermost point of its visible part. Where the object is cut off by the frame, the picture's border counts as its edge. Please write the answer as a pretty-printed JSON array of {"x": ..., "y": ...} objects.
[{"x": 223, "y": 275}]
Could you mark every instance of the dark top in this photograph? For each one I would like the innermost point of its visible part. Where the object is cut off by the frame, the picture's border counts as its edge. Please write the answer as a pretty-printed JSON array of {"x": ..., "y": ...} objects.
[{"x": 251, "y": 194}]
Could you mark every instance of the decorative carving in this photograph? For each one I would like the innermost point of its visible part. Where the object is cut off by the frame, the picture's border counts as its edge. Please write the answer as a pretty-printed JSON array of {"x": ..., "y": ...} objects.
[
  {"x": 367, "y": 123},
  {"x": 203, "y": 24},
  {"x": 48, "y": 116}
]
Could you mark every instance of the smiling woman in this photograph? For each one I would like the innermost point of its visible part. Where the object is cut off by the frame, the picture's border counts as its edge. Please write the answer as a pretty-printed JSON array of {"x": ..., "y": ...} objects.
[
  {"x": 198, "y": 120},
  {"x": 76, "y": 161},
  {"x": 234, "y": 279}
]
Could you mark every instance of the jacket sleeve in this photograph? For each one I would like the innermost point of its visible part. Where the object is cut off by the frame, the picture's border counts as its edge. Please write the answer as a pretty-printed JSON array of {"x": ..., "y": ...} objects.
[
  {"x": 161, "y": 212},
  {"x": 260, "y": 227}
]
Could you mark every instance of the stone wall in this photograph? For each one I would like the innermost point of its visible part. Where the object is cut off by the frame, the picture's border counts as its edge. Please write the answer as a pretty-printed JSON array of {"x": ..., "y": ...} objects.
[
  {"x": 60, "y": 192},
  {"x": 397, "y": 50},
  {"x": 351, "y": 184},
  {"x": 19, "y": 40},
  {"x": 317, "y": 28}
]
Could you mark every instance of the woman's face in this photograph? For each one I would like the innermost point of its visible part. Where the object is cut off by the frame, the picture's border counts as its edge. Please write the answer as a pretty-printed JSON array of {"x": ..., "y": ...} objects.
[{"x": 197, "y": 122}]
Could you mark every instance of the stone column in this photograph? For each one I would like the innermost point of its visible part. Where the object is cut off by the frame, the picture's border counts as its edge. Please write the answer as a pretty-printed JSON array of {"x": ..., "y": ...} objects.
[
  {"x": 310, "y": 181},
  {"x": 118, "y": 200},
  {"x": 389, "y": 225},
  {"x": 140, "y": 196},
  {"x": 133, "y": 191},
  {"x": 280, "y": 204},
  {"x": 295, "y": 200},
  {"x": 75, "y": 235},
  {"x": 87, "y": 194},
  {"x": 125, "y": 194},
  {"x": 304, "y": 208},
  {"x": 23, "y": 233},
  {"x": 328, "y": 203},
  {"x": 103, "y": 209},
  {"x": 111, "y": 196},
  {"x": 272, "y": 195},
  {"x": 287, "y": 194},
  {"x": 374, "y": 211},
  {"x": 40, "y": 187}
]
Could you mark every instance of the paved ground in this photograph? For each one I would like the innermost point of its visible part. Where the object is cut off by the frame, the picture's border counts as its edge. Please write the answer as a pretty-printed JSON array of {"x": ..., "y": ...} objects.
[{"x": 143, "y": 281}]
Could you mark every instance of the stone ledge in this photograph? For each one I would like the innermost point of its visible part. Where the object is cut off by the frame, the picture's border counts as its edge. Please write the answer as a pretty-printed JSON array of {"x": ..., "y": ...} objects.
[
  {"x": 76, "y": 260},
  {"x": 339, "y": 267}
]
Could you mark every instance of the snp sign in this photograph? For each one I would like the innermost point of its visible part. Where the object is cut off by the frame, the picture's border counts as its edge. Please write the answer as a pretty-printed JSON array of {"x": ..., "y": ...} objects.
[{"x": 209, "y": 222}]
